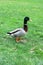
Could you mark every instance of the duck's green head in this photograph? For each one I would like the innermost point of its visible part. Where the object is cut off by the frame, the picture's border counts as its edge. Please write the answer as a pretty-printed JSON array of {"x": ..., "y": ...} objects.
[{"x": 26, "y": 19}]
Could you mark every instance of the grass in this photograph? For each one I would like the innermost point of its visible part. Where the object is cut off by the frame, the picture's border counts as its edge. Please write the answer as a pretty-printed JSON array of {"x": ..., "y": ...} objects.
[{"x": 12, "y": 13}]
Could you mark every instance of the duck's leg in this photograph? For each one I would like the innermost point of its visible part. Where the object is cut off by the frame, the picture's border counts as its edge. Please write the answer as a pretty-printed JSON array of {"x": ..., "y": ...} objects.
[{"x": 17, "y": 39}]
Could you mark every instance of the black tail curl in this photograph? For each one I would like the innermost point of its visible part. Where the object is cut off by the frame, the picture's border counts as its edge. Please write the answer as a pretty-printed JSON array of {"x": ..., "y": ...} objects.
[{"x": 9, "y": 33}]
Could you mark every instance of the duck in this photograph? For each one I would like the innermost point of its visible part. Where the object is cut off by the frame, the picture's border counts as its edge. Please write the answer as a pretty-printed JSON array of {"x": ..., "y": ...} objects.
[{"x": 19, "y": 32}]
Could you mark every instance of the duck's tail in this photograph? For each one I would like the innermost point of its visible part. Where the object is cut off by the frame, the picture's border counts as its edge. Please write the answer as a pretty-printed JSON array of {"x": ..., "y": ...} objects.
[{"x": 9, "y": 33}]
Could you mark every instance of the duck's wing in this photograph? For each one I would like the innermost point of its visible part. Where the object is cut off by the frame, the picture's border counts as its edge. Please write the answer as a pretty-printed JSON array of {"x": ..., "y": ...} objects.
[{"x": 14, "y": 31}]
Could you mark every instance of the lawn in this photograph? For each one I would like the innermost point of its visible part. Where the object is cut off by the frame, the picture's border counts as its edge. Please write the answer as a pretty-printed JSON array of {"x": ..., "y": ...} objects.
[{"x": 12, "y": 13}]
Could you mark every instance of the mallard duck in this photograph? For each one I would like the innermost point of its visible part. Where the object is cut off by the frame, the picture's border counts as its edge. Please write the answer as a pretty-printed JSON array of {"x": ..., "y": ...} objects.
[{"x": 19, "y": 32}]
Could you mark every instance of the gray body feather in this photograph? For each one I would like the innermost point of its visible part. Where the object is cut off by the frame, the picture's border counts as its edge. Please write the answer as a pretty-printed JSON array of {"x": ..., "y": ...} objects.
[{"x": 18, "y": 32}]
